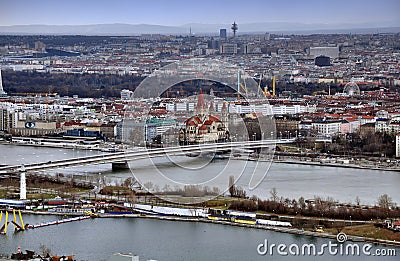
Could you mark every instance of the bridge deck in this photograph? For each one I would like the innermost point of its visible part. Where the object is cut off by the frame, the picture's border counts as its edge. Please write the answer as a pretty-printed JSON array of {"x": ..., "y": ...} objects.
[{"x": 141, "y": 154}]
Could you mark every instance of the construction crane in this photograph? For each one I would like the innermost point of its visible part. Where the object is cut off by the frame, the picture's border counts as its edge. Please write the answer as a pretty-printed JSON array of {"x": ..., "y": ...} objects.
[
  {"x": 241, "y": 86},
  {"x": 273, "y": 85}
]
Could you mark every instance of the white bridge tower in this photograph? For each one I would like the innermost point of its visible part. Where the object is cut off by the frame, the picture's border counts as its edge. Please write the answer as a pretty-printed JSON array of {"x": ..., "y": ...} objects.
[{"x": 22, "y": 184}]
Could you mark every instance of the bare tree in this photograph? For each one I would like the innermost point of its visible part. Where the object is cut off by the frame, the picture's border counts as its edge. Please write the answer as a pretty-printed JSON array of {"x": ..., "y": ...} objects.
[
  {"x": 129, "y": 182},
  {"x": 302, "y": 203},
  {"x": 386, "y": 202},
  {"x": 240, "y": 192},
  {"x": 358, "y": 201},
  {"x": 216, "y": 190},
  {"x": 274, "y": 194},
  {"x": 45, "y": 250},
  {"x": 232, "y": 189}
]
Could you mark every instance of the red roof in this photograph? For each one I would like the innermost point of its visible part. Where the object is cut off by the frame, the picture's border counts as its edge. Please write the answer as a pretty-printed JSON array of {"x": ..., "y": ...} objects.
[
  {"x": 73, "y": 123},
  {"x": 193, "y": 121},
  {"x": 196, "y": 119},
  {"x": 213, "y": 118}
]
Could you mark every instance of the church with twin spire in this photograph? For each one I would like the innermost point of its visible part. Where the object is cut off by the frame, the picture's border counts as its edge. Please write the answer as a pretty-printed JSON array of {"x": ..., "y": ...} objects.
[{"x": 204, "y": 126}]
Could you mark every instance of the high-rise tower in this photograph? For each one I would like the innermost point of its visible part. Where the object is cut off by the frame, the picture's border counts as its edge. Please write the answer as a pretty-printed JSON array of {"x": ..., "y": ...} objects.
[
  {"x": 222, "y": 34},
  {"x": 234, "y": 28},
  {"x": 2, "y": 92}
]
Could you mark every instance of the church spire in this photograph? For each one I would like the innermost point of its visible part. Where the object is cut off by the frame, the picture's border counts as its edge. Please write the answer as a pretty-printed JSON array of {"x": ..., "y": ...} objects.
[
  {"x": 200, "y": 101},
  {"x": 211, "y": 109},
  {"x": 201, "y": 107}
]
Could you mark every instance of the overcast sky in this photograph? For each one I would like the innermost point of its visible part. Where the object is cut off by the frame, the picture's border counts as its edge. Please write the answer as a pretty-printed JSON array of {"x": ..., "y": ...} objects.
[{"x": 180, "y": 12}]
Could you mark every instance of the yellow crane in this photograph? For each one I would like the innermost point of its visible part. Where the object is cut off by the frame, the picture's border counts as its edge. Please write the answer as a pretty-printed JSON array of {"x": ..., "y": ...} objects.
[
  {"x": 3, "y": 229},
  {"x": 273, "y": 85}
]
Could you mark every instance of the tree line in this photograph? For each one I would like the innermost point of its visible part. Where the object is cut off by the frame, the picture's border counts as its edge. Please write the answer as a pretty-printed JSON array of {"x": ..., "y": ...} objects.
[
  {"x": 83, "y": 85},
  {"x": 319, "y": 207}
]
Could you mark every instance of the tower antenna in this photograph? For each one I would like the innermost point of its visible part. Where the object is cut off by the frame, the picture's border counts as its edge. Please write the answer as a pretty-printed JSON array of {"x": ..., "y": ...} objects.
[{"x": 234, "y": 28}]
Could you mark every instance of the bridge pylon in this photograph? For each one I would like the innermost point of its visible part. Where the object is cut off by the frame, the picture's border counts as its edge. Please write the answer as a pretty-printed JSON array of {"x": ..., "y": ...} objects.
[{"x": 22, "y": 187}]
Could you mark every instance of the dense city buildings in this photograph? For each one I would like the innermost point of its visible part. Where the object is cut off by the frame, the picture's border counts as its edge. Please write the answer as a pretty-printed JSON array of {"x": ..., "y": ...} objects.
[{"x": 314, "y": 85}]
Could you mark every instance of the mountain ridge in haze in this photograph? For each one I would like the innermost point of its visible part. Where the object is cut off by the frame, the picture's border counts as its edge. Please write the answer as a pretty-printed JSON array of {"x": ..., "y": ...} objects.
[{"x": 195, "y": 28}]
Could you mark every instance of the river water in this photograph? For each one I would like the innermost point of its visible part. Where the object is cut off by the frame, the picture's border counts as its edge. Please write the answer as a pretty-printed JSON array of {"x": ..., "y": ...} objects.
[
  {"x": 290, "y": 180},
  {"x": 98, "y": 239}
]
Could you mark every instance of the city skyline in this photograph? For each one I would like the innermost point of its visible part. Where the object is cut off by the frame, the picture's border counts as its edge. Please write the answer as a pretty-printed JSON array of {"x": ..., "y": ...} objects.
[{"x": 321, "y": 14}]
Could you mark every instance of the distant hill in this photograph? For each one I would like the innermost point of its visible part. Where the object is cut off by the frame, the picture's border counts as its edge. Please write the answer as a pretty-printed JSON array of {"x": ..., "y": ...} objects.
[
  {"x": 95, "y": 29},
  {"x": 196, "y": 28}
]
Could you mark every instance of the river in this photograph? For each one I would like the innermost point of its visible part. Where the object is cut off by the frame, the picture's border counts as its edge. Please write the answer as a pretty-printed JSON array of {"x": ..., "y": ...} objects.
[
  {"x": 98, "y": 239},
  {"x": 162, "y": 240},
  {"x": 290, "y": 180}
]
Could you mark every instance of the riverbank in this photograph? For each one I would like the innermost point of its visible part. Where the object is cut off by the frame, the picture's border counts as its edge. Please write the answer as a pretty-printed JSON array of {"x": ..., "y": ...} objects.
[
  {"x": 337, "y": 165},
  {"x": 295, "y": 231},
  {"x": 54, "y": 145}
]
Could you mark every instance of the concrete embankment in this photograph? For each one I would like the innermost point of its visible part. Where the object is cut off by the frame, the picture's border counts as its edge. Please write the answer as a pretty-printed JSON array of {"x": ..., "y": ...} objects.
[
  {"x": 336, "y": 165},
  {"x": 308, "y": 161},
  {"x": 54, "y": 146}
]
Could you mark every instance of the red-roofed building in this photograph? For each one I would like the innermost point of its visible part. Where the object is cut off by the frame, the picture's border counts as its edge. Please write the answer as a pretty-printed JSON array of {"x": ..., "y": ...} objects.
[
  {"x": 204, "y": 127},
  {"x": 70, "y": 125},
  {"x": 349, "y": 125}
]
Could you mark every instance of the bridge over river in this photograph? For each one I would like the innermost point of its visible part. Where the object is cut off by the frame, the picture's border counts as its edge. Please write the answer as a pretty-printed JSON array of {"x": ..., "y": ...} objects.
[{"x": 120, "y": 159}]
